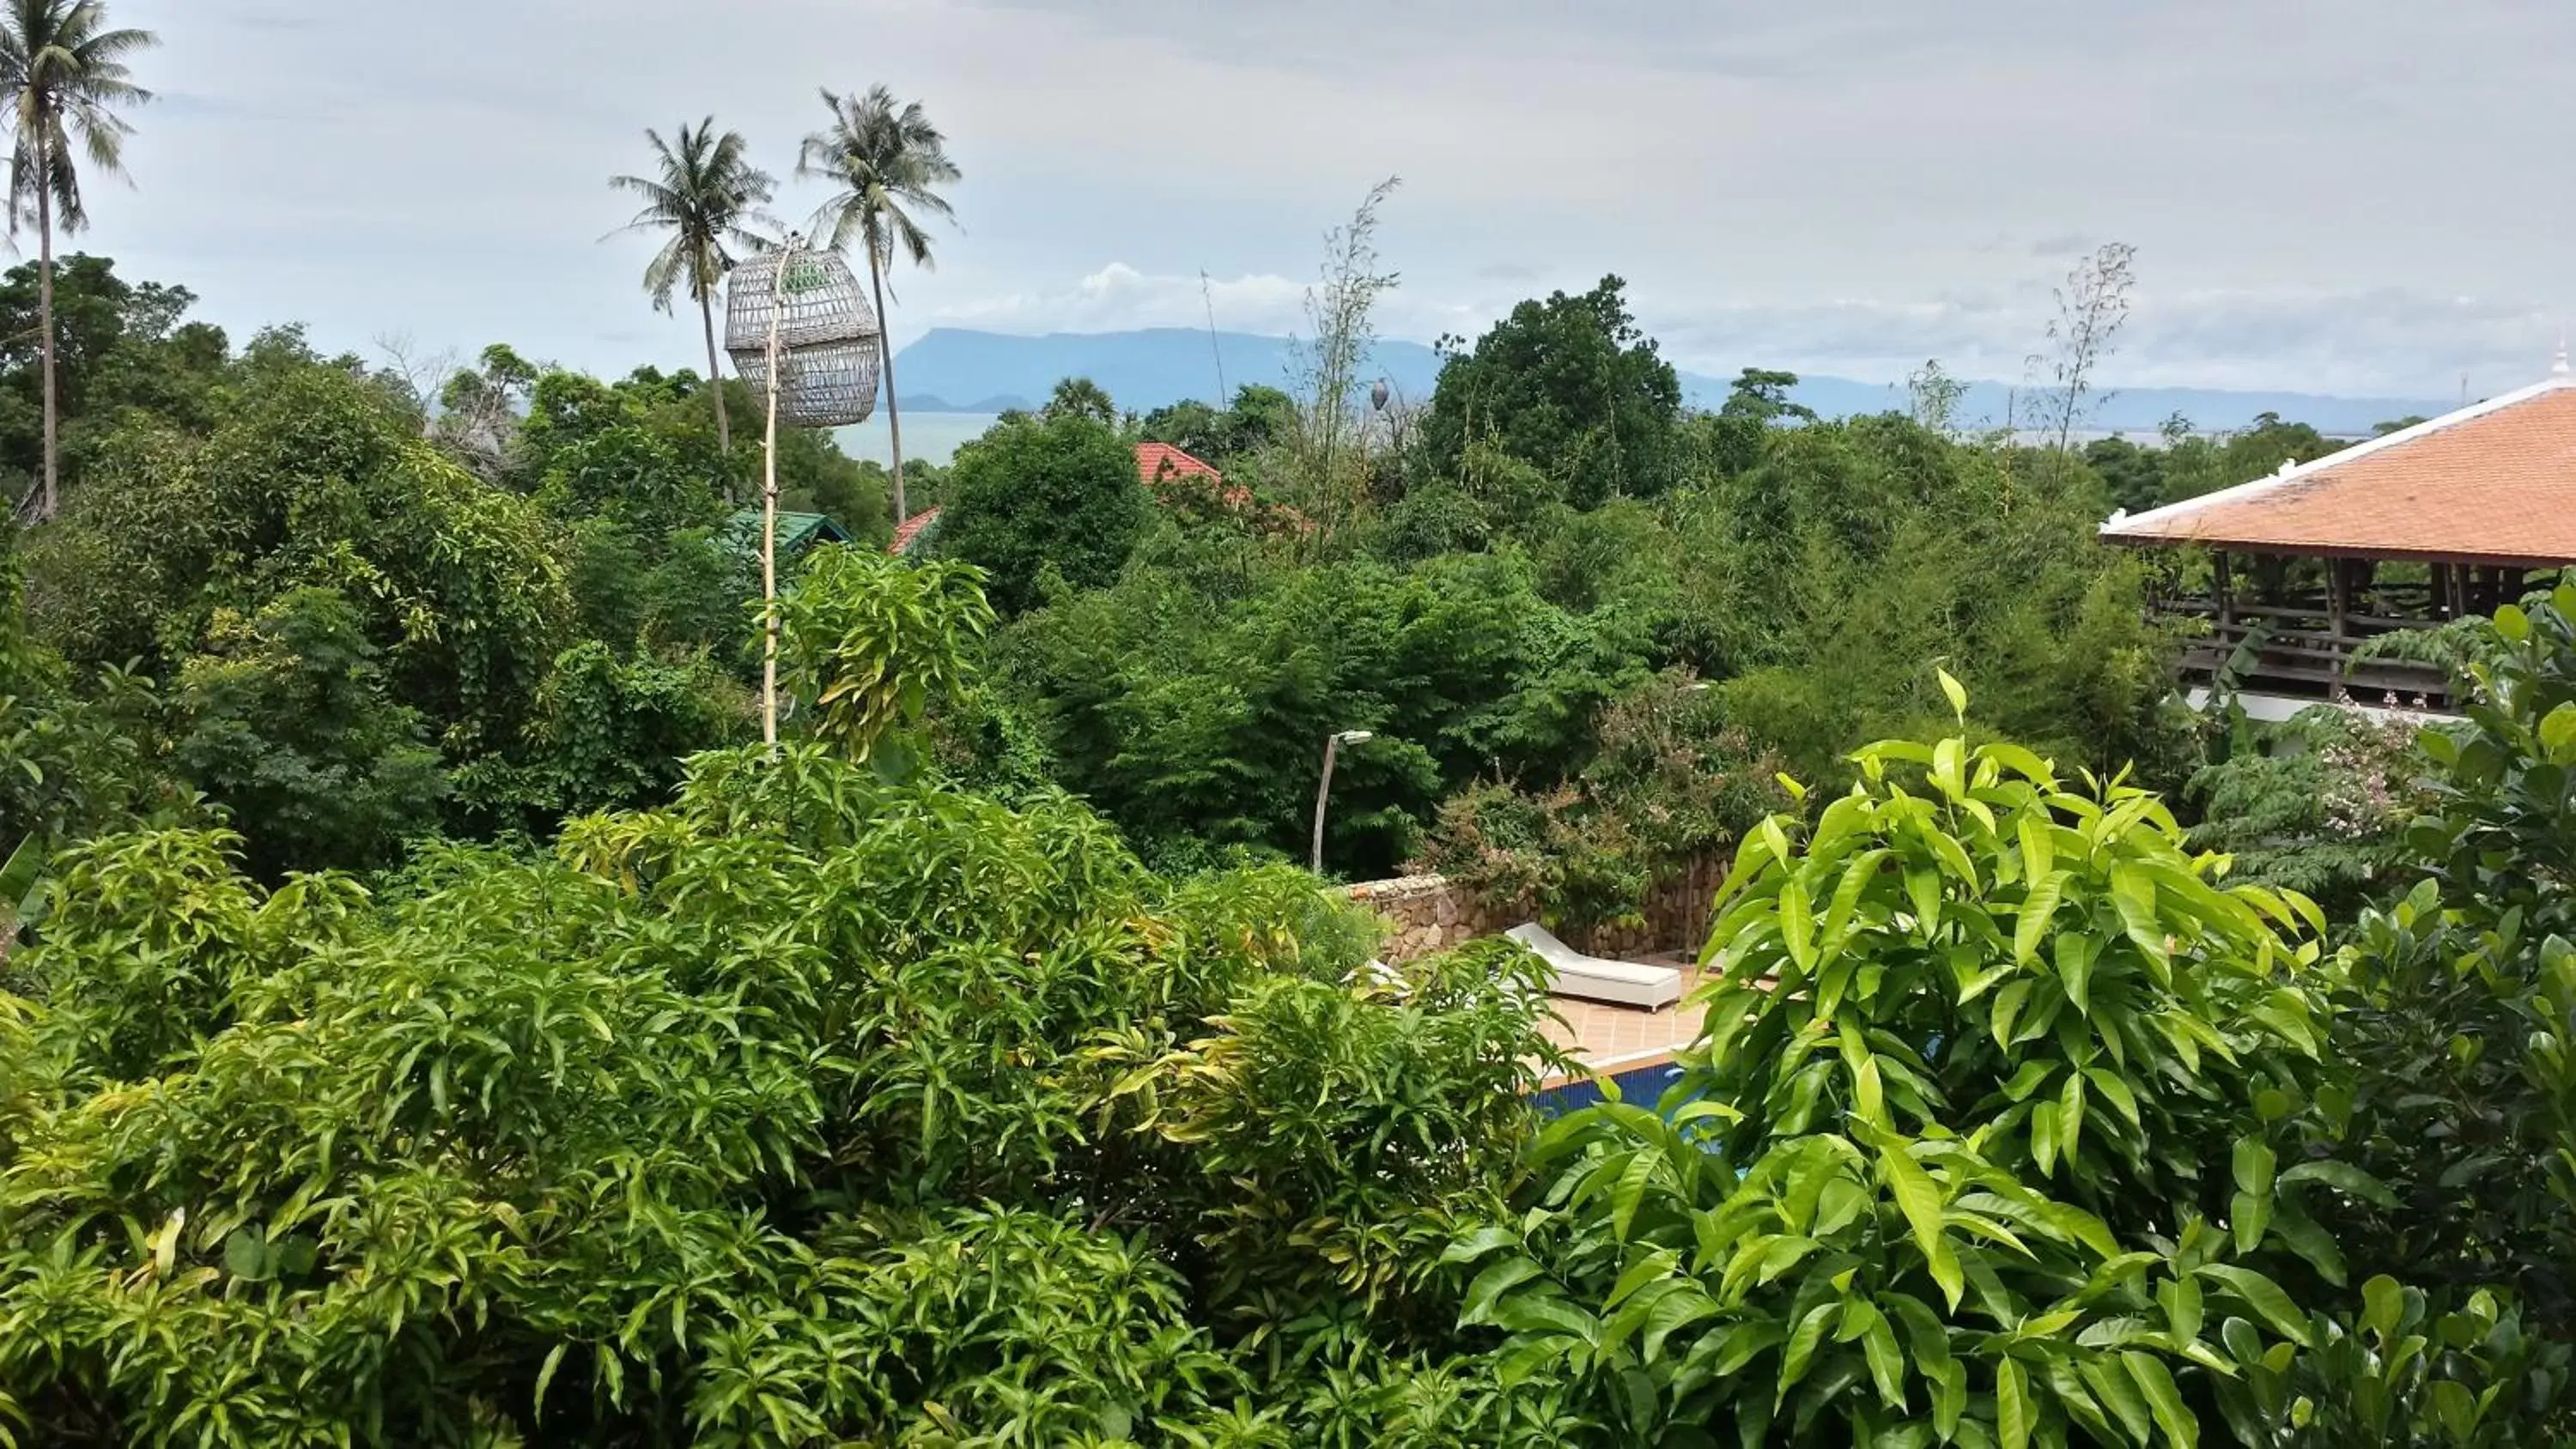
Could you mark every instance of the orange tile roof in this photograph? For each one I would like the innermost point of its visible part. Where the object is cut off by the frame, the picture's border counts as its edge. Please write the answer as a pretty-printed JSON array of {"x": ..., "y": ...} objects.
[
  {"x": 1158, "y": 461},
  {"x": 2494, "y": 483},
  {"x": 912, "y": 529}
]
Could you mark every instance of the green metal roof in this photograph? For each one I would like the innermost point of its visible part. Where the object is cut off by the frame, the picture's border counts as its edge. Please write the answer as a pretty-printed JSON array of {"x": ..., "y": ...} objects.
[{"x": 797, "y": 532}]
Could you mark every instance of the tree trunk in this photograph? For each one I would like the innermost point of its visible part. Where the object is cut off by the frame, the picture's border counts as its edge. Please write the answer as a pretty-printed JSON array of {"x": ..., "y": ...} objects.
[
  {"x": 45, "y": 325},
  {"x": 885, "y": 354},
  {"x": 715, "y": 384}
]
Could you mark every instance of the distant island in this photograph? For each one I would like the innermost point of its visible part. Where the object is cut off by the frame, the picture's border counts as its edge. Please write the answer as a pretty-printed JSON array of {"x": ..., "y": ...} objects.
[{"x": 960, "y": 370}]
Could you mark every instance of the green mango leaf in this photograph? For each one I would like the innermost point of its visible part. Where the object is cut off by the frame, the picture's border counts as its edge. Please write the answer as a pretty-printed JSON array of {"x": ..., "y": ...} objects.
[
  {"x": 2180, "y": 1299},
  {"x": 2263, "y": 1296},
  {"x": 2118, "y": 1393},
  {"x": 2383, "y": 1305},
  {"x": 1674, "y": 1311},
  {"x": 18, "y": 876},
  {"x": 2116, "y": 1091},
  {"x": 2164, "y": 1400},
  {"x": 2342, "y": 1177},
  {"x": 2031, "y": 1076},
  {"x": 1803, "y": 1342},
  {"x": 1798, "y": 924},
  {"x": 1535, "y": 1314},
  {"x": 2038, "y": 854},
  {"x": 2038, "y": 912},
  {"x": 2133, "y": 895},
  {"x": 1491, "y": 1284},
  {"x": 2015, "y": 1414},
  {"x": 1919, "y": 1198},
  {"x": 2070, "y": 1116},
  {"x": 1630, "y": 1191},
  {"x": 2007, "y": 1008},
  {"x": 1470, "y": 1246}
]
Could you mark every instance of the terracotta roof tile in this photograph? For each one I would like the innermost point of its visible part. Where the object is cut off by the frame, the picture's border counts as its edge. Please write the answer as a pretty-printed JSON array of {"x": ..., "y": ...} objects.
[
  {"x": 2493, "y": 483},
  {"x": 912, "y": 529},
  {"x": 1158, "y": 461}
]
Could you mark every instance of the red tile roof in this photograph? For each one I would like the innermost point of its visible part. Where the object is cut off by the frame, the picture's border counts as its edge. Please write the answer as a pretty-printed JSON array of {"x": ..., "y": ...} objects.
[
  {"x": 2494, "y": 484},
  {"x": 911, "y": 529},
  {"x": 1158, "y": 461}
]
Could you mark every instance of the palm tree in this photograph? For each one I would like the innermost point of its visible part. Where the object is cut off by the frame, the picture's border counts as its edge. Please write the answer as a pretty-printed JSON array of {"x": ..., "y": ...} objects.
[
  {"x": 62, "y": 73},
  {"x": 888, "y": 160},
  {"x": 705, "y": 193}
]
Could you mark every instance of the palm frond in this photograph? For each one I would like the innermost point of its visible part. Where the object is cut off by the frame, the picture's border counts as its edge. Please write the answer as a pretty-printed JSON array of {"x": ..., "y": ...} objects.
[
  {"x": 889, "y": 161},
  {"x": 63, "y": 77},
  {"x": 704, "y": 192}
]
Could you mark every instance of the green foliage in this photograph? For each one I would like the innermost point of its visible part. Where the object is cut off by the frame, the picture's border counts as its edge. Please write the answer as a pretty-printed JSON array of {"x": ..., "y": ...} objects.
[
  {"x": 69, "y": 766},
  {"x": 1756, "y": 402},
  {"x": 2317, "y": 804},
  {"x": 313, "y": 478},
  {"x": 119, "y": 346},
  {"x": 2188, "y": 464},
  {"x": 1570, "y": 386},
  {"x": 1342, "y": 1133},
  {"x": 2465, "y": 997},
  {"x": 874, "y": 642},
  {"x": 284, "y": 722},
  {"x": 1190, "y": 704},
  {"x": 1668, "y": 784},
  {"x": 1034, "y": 494},
  {"x": 611, "y": 732},
  {"x": 791, "y": 1114},
  {"x": 1819, "y": 582},
  {"x": 1961, "y": 1173},
  {"x": 627, "y": 474},
  {"x": 1259, "y": 418}
]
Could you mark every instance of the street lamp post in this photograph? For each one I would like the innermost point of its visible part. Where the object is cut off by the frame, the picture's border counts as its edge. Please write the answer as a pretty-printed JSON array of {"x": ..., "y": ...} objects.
[{"x": 1332, "y": 746}]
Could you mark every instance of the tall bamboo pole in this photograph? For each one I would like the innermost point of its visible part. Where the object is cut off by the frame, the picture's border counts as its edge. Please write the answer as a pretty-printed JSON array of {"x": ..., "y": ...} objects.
[{"x": 769, "y": 519}]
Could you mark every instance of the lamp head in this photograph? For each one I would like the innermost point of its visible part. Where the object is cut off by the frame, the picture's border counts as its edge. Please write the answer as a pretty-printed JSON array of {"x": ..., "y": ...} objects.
[{"x": 1355, "y": 737}]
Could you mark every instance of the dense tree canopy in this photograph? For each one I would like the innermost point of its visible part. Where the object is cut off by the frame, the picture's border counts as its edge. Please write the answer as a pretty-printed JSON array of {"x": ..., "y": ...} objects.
[
  {"x": 1572, "y": 387},
  {"x": 424, "y": 1019},
  {"x": 1051, "y": 495}
]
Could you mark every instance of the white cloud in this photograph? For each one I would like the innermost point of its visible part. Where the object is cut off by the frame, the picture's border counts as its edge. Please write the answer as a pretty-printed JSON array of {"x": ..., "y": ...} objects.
[{"x": 1843, "y": 188}]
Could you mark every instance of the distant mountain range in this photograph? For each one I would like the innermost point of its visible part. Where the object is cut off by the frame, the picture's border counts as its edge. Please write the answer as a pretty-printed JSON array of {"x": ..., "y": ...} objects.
[{"x": 958, "y": 370}]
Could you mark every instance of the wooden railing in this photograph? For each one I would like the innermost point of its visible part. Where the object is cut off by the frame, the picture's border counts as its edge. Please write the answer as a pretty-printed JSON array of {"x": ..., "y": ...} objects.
[{"x": 2303, "y": 655}]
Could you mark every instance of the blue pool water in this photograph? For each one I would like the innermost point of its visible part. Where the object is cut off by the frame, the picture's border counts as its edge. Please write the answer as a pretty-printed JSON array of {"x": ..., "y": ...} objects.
[{"x": 1642, "y": 1085}]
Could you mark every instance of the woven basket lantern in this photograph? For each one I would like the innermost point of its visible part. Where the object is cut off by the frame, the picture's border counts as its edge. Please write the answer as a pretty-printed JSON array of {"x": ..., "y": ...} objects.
[{"x": 827, "y": 336}]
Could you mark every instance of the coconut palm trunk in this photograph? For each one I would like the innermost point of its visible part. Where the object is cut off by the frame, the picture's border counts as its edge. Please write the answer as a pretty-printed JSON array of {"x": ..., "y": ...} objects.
[
  {"x": 45, "y": 324},
  {"x": 885, "y": 354},
  {"x": 715, "y": 384}
]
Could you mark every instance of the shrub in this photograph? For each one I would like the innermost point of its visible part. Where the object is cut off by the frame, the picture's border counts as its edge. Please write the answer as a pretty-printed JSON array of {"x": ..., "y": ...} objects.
[
  {"x": 2463, "y": 997},
  {"x": 1056, "y": 491},
  {"x": 1987, "y": 1164},
  {"x": 772, "y": 1117}
]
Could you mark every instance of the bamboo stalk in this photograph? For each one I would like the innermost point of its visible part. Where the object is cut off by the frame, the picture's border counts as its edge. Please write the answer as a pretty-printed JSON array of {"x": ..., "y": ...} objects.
[{"x": 769, "y": 522}]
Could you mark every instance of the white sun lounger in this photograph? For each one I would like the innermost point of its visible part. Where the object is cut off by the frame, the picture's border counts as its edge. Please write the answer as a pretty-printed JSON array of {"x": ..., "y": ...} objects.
[{"x": 1594, "y": 978}]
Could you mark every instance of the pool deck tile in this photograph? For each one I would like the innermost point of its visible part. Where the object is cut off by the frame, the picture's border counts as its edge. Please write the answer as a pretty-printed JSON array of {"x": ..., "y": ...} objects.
[{"x": 1599, "y": 1035}]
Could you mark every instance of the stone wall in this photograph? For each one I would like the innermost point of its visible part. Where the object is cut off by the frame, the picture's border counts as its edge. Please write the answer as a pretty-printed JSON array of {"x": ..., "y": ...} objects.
[{"x": 1426, "y": 913}]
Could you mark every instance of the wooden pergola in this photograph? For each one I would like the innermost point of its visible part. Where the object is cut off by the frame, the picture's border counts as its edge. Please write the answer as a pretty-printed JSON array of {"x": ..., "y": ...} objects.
[{"x": 2440, "y": 521}]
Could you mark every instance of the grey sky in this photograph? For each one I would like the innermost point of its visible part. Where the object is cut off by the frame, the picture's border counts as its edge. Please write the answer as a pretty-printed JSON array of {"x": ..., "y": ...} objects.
[{"x": 2356, "y": 197}]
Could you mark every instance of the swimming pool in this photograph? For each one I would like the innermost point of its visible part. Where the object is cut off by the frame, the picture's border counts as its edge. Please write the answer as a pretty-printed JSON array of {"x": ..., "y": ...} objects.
[{"x": 1643, "y": 1085}]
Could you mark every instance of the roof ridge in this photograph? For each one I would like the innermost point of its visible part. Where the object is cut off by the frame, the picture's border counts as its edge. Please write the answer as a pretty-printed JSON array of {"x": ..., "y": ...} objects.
[{"x": 2118, "y": 526}]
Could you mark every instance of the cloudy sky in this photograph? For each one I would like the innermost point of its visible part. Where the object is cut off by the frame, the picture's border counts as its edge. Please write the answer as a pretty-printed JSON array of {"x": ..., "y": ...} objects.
[{"x": 2369, "y": 196}]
